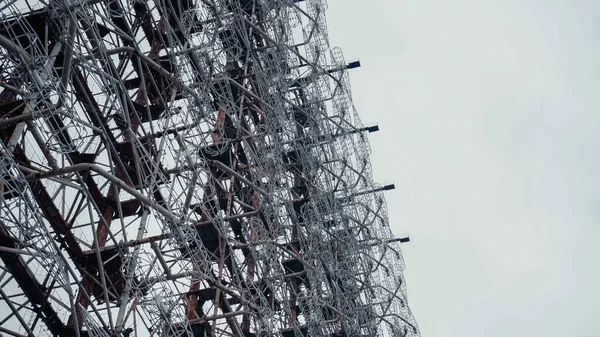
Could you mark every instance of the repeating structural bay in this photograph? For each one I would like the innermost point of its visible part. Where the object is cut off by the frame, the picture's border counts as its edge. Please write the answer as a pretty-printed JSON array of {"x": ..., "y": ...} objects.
[{"x": 187, "y": 168}]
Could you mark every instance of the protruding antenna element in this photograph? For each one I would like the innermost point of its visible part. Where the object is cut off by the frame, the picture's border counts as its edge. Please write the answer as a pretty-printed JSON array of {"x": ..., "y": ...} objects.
[
  {"x": 401, "y": 240},
  {"x": 353, "y": 65},
  {"x": 369, "y": 129},
  {"x": 380, "y": 189},
  {"x": 373, "y": 128},
  {"x": 388, "y": 187}
]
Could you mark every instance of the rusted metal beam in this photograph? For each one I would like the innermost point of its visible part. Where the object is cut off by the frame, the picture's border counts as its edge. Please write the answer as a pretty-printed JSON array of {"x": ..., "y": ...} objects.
[
  {"x": 165, "y": 236},
  {"x": 33, "y": 290},
  {"x": 51, "y": 213},
  {"x": 149, "y": 62},
  {"x": 108, "y": 176}
]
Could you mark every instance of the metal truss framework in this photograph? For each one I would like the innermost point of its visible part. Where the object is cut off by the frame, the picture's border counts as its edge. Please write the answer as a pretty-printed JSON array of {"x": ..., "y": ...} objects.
[{"x": 187, "y": 168}]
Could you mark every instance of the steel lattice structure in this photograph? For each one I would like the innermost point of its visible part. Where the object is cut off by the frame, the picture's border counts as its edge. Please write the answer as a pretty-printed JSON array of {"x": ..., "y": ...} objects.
[{"x": 187, "y": 168}]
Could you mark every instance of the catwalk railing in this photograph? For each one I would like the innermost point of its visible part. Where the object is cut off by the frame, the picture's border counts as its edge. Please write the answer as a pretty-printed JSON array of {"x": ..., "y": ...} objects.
[{"x": 187, "y": 168}]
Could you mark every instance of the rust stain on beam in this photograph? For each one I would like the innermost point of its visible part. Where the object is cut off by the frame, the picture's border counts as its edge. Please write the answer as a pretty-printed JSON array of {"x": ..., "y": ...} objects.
[{"x": 32, "y": 289}]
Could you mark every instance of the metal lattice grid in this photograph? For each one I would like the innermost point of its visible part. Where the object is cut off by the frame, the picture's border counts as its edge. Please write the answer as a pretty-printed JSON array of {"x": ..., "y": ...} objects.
[{"x": 187, "y": 168}]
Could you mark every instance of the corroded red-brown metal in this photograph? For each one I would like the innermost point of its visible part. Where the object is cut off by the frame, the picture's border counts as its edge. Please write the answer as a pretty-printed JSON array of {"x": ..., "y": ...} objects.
[{"x": 33, "y": 290}]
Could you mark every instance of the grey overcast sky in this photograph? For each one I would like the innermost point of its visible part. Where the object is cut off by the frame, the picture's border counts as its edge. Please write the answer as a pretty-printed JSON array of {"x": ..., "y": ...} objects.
[{"x": 489, "y": 118}]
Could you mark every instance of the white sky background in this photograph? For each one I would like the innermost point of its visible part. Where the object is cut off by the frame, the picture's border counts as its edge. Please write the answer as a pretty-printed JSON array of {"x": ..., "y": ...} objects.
[{"x": 489, "y": 118}]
